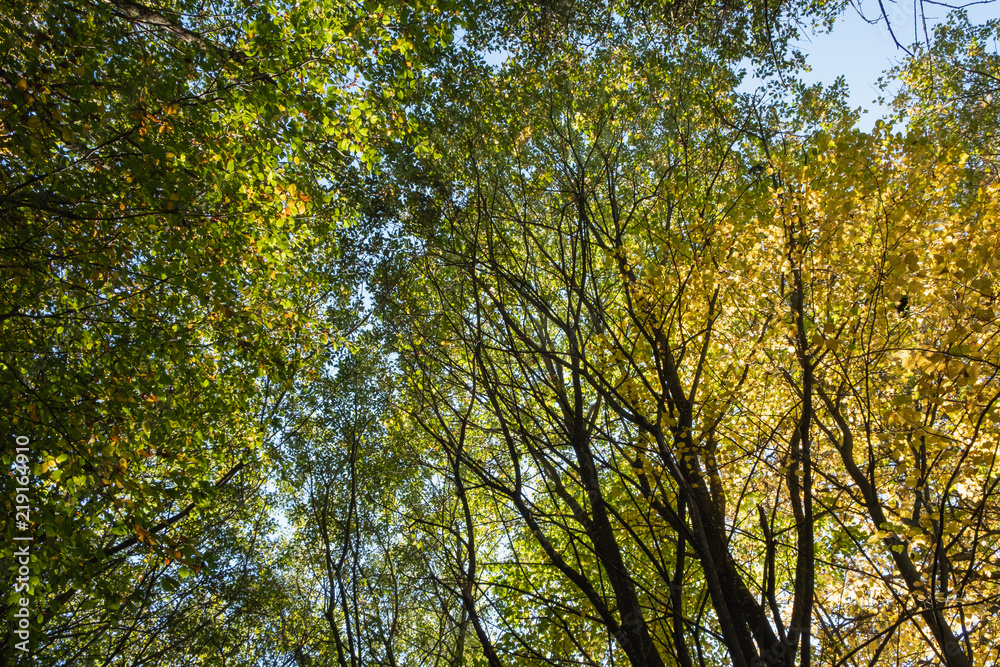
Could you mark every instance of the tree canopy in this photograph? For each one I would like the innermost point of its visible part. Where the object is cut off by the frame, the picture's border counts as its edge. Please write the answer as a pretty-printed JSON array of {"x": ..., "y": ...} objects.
[{"x": 448, "y": 333}]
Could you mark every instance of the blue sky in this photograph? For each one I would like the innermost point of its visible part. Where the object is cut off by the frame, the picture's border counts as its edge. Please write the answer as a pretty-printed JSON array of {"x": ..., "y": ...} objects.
[{"x": 861, "y": 52}]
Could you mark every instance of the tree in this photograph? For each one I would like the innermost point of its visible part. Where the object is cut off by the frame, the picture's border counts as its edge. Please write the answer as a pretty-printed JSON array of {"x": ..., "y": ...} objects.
[
  {"x": 949, "y": 88},
  {"x": 179, "y": 182},
  {"x": 697, "y": 410},
  {"x": 337, "y": 346},
  {"x": 361, "y": 571}
]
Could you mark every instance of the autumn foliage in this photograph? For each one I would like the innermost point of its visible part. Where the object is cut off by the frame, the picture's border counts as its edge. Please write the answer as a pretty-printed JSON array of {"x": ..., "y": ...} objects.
[{"x": 337, "y": 344}]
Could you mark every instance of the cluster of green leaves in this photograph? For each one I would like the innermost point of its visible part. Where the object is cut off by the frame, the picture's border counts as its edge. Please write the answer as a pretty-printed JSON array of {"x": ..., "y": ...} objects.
[
  {"x": 712, "y": 379},
  {"x": 337, "y": 345},
  {"x": 180, "y": 189}
]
